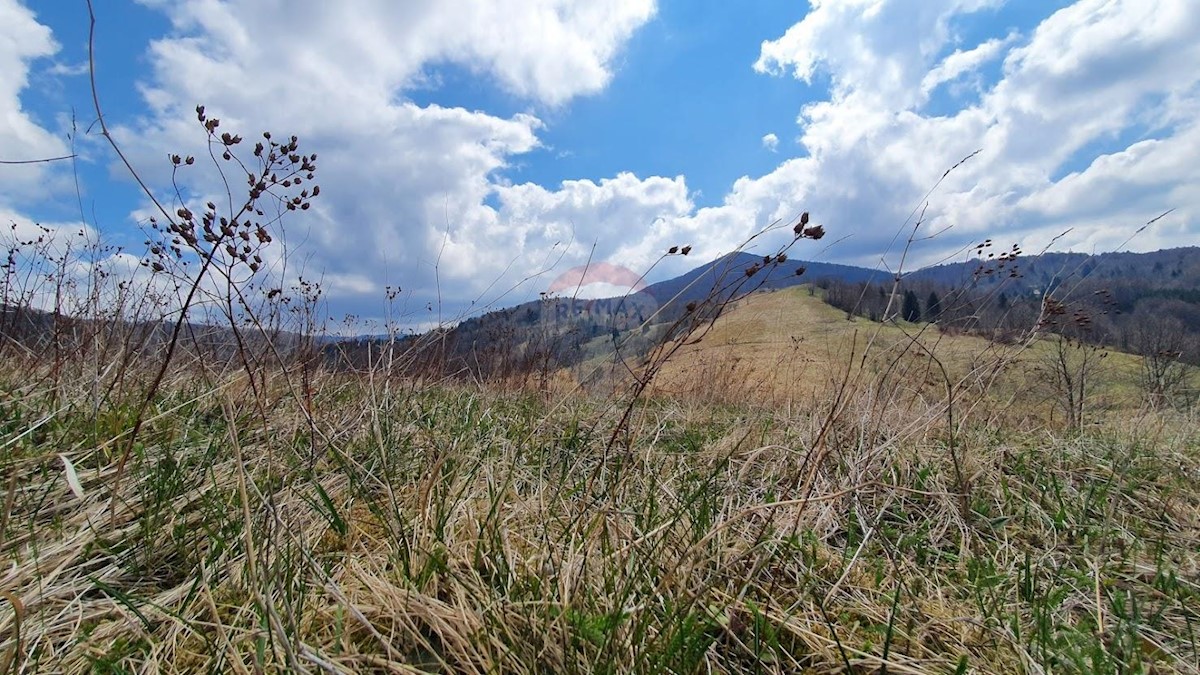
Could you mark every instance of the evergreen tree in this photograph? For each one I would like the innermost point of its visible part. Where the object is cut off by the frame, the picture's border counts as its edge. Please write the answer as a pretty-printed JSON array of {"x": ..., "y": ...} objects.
[
  {"x": 933, "y": 306},
  {"x": 911, "y": 310}
]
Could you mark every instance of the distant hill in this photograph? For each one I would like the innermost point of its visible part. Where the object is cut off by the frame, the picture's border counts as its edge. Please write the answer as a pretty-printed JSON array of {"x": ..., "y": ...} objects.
[
  {"x": 701, "y": 282},
  {"x": 1145, "y": 303},
  {"x": 46, "y": 331},
  {"x": 1176, "y": 269},
  {"x": 788, "y": 345},
  {"x": 994, "y": 293},
  {"x": 561, "y": 331}
]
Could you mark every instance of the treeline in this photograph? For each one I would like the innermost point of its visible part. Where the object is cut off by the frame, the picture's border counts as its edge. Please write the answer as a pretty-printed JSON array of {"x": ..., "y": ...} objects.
[{"x": 1128, "y": 314}]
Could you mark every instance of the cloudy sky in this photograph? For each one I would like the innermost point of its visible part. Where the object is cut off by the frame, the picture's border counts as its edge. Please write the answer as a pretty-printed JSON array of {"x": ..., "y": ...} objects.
[{"x": 470, "y": 151}]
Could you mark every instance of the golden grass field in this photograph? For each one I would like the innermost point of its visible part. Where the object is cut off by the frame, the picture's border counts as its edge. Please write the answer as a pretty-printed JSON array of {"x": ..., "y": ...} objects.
[
  {"x": 796, "y": 493},
  {"x": 779, "y": 346}
]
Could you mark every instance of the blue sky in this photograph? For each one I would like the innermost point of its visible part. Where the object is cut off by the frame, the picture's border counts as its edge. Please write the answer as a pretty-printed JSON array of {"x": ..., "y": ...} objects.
[{"x": 472, "y": 150}]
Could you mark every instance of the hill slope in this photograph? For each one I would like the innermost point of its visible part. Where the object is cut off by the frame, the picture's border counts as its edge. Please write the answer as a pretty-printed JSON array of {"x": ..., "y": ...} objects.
[
  {"x": 996, "y": 293},
  {"x": 558, "y": 331},
  {"x": 788, "y": 345}
]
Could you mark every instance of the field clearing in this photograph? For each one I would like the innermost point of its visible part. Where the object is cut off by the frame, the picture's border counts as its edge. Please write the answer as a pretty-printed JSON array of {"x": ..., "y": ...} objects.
[
  {"x": 781, "y": 346},
  {"x": 339, "y": 522}
]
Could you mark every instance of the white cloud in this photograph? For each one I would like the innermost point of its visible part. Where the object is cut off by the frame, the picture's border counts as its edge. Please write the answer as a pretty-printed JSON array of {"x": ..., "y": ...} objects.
[
  {"x": 961, "y": 62},
  {"x": 1148, "y": 175},
  {"x": 1088, "y": 76},
  {"x": 51, "y": 261},
  {"x": 405, "y": 187},
  {"x": 22, "y": 41},
  {"x": 376, "y": 48},
  {"x": 878, "y": 47},
  {"x": 19, "y": 231},
  {"x": 627, "y": 219},
  {"x": 417, "y": 196},
  {"x": 50, "y": 258}
]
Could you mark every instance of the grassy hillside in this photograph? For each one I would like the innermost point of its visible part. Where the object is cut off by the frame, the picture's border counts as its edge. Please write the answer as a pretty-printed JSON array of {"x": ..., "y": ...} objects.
[
  {"x": 781, "y": 491},
  {"x": 287, "y": 518},
  {"x": 788, "y": 345}
]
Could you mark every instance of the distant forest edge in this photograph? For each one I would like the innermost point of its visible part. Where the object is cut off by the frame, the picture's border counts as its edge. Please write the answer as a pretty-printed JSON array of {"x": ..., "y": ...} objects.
[{"x": 1143, "y": 303}]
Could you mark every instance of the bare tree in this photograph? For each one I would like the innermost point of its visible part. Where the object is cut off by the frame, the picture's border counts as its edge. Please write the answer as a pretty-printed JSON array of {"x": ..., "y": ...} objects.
[
  {"x": 1071, "y": 369},
  {"x": 1163, "y": 340}
]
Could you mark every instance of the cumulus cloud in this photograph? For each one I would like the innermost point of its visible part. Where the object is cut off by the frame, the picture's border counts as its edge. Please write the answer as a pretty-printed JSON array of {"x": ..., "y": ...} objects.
[
  {"x": 412, "y": 195},
  {"x": 963, "y": 61},
  {"x": 1085, "y": 77},
  {"x": 52, "y": 261},
  {"x": 1054, "y": 129},
  {"x": 1086, "y": 120},
  {"x": 376, "y": 48},
  {"x": 37, "y": 249},
  {"x": 877, "y": 47},
  {"x": 22, "y": 41}
]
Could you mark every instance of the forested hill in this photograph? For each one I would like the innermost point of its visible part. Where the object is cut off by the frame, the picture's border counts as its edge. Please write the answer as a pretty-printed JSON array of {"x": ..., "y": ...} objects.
[
  {"x": 1170, "y": 272},
  {"x": 1146, "y": 303}
]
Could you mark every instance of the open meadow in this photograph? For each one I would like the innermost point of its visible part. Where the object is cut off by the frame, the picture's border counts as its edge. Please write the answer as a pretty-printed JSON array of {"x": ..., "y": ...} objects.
[
  {"x": 300, "y": 517},
  {"x": 545, "y": 367}
]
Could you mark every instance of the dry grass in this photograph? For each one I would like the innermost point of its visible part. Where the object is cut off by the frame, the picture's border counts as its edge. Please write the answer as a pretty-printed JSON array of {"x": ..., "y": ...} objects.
[
  {"x": 781, "y": 347},
  {"x": 384, "y": 526},
  {"x": 164, "y": 511}
]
